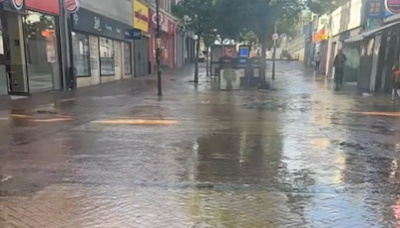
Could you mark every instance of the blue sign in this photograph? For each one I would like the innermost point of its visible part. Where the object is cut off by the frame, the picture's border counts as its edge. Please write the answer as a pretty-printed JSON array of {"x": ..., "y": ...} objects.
[
  {"x": 243, "y": 52},
  {"x": 306, "y": 29},
  {"x": 374, "y": 9},
  {"x": 387, "y": 13},
  {"x": 133, "y": 34}
]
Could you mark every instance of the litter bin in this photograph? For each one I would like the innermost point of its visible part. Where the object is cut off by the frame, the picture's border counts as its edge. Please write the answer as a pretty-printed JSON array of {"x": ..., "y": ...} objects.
[
  {"x": 254, "y": 71},
  {"x": 229, "y": 79},
  {"x": 242, "y": 67}
]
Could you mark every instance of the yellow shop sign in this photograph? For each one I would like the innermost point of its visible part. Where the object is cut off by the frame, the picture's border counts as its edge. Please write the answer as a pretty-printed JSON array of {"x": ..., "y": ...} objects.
[{"x": 140, "y": 17}]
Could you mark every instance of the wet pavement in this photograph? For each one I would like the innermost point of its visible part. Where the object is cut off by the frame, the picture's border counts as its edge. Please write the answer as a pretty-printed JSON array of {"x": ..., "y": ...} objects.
[{"x": 300, "y": 155}]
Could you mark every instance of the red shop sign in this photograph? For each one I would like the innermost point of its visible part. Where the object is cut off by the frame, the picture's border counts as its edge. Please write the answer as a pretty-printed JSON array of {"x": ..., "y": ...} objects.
[{"x": 46, "y": 6}]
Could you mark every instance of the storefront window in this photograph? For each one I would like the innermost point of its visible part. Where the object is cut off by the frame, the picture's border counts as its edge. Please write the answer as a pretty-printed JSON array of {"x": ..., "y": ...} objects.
[
  {"x": 3, "y": 77},
  {"x": 106, "y": 56},
  {"x": 164, "y": 50},
  {"x": 127, "y": 58},
  {"x": 80, "y": 45},
  {"x": 42, "y": 53}
]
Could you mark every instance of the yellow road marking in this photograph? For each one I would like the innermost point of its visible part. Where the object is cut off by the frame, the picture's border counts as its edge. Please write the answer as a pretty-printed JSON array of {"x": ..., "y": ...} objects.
[
  {"x": 50, "y": 120},
  {"x": 19, "y": 116},
  {"x": 136, "y": 122},
  {"x": 390, "y": 114}
]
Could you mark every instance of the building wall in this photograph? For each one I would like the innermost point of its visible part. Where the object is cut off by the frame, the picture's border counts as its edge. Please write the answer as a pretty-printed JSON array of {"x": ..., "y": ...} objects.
[
  {"x": 120, "y": 10},
  {"x": 347, "y": 17}
]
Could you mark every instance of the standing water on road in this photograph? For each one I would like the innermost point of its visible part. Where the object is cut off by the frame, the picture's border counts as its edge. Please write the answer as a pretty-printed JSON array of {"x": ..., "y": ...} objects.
[{"x": 298, "y": 156}]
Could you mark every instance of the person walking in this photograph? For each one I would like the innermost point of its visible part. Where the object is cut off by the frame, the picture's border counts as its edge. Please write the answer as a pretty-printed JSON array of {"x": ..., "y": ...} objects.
[
  {"x": 396, "y": 82},
  {"x": 338, "y": 63},
  {"x": 317, "y": 60}
]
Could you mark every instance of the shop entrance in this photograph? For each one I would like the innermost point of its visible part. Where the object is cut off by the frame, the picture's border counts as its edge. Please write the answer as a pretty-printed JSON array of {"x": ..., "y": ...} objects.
[{"x": 13, "y": 76}]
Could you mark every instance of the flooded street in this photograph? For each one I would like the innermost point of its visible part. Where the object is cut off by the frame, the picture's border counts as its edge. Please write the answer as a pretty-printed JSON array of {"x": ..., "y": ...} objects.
[{"x": 300, "y": 155}]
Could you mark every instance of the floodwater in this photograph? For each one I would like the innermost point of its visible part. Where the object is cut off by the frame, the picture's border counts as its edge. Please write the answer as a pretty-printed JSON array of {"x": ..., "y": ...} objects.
[{"x": 300, "y": 155}]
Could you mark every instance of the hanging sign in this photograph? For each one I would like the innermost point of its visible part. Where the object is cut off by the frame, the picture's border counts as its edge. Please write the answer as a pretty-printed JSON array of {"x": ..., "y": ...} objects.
[
  {"x": 393, "y": 6},
  {"x": 161, "y": 18},
  {"x": 14, "y": 5},
  {"x": 71, "y": 6}
]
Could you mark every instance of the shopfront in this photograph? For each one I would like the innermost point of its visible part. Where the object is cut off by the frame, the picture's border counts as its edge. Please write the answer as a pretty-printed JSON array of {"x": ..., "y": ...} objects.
[
  {"x": 167, "y": 35},
  {"x": 101, "y": 53},
  {"x": 140, "y": 20},
  {"x": 29, "y": 49}
]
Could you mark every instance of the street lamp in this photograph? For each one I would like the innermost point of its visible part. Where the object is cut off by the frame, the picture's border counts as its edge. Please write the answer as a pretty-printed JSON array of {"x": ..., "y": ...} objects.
[
  {"x": 274, "y": 51},
  {"x": 158, "y": 48}
]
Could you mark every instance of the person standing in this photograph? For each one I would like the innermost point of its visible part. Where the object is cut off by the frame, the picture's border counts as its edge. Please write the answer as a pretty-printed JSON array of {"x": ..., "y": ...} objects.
[
  {"x": 338, "y": 63},
  {"x": 317, "y": 60}
]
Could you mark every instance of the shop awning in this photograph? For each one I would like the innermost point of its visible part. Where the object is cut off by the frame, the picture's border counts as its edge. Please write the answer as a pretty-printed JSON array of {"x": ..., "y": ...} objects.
[
  {"x": 369, "y": 33},
  {"x": 353, "y": 39}
]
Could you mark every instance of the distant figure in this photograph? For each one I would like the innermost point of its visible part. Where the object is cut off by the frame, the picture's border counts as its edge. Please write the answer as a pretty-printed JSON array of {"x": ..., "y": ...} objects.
[
  {"x": 317, "y": 60},
  {"x": 289, "y": 57},
  {"x": 396, "y": 82},
  {"x": 338, "y": 63}
]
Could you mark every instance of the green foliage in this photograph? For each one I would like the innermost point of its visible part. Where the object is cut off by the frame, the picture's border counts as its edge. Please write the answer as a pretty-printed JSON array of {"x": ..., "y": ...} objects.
[
  {"x": 249, "y": 38},
  {"x": 320, "y": 6},
  {"x": 198, "y": 15},
  {"x": 230, "y": 22},
  {"x": 263, "y": 14},
  {"x": 209, "y": 39}
]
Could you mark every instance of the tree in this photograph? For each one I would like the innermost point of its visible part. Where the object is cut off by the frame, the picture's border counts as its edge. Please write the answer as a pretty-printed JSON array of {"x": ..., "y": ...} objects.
[
  {"x": 320, "y": 6},
  {"x": 208, "y": 40},
  {"x": 261, "y": 16},
  {"x": 199, "y": 16},
  {"x": 229, "y": 23},
  {"x": 250, "y": 39}
]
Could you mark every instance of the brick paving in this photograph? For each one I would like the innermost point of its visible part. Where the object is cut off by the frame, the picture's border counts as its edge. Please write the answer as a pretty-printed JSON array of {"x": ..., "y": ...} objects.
[{"x": 299, "y": 156}]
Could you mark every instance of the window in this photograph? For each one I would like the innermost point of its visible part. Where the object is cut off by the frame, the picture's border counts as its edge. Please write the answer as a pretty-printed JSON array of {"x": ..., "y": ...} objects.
[
  {"x": 80, "y": 44},
  {"x": 42, "y": 51},
  {"x": 127, "y": 58},
  {"x": 106, "y": 56}
]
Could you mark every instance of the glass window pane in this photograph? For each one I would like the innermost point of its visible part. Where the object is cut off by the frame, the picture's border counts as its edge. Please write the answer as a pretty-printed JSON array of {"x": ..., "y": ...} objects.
[
  {"x": 127, "y": 58},
  {"x": 80, "y": 44},
  {"x": 41, "y": 49},
  {"x": 106, "y": 56}
]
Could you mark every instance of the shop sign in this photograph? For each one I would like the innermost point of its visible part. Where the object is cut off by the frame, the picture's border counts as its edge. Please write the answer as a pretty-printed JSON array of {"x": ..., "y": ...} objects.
[
  {"x": 14, "y": 5},
  {"x": 133, "y": 34},
  {"x": 140, "y": 17},
  {"x": 154, "y": 18},
  {"x": 45, "y": 6},
  {"x": 393, "y": 6},
  {"x": 374, "y": 9},
  {"x": 71, "y": 6},
  {"x": 94, "y": 23},
  {"x": 319, "y": 36},
  {"x": 163, "y": 21}
]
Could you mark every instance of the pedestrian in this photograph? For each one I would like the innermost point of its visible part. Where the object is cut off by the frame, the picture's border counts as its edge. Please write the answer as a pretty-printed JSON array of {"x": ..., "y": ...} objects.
[
  {"x": 396, "y": 82},
  {"x": 317, "y": 60},
  {"x": 338, "y": 63},
  {"x": 289, "y": 57}
]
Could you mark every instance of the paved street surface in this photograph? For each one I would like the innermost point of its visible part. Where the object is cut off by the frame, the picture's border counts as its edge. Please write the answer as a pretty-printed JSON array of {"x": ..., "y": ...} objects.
[{"x": 116, "y": 156}]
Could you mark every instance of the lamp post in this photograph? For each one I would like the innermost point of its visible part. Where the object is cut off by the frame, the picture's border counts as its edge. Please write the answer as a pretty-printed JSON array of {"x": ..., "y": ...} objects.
[
  {"x": 158, "y": 48},
  {"x": 274, "y": 52}
]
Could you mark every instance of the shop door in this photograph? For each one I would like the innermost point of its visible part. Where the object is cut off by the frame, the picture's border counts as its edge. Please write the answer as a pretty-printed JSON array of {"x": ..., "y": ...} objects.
[
  {"x": 145, "y": 51},
  {"x": 364, "y": 76},
  {"x": 140, "y": 52},
  {"x": 14, "y": 54},
  {"x": 375, "y": 59}
]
